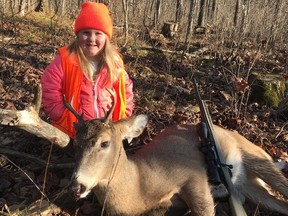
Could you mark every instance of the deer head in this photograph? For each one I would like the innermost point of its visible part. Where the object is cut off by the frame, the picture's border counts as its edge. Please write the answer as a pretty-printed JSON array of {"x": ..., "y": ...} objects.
[{"x": 99, "y": 150}]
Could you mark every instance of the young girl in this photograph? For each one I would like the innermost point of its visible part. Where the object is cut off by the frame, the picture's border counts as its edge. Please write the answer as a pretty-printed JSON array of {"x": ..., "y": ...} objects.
[{"x": 82, "y": 71}]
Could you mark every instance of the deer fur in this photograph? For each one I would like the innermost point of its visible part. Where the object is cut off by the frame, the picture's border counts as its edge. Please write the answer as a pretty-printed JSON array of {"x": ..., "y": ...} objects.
[{"x": 170, "y": 170}]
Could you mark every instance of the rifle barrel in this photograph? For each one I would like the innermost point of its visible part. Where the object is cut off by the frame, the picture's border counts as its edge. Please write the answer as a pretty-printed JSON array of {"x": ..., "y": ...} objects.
[{"x": 234, "y": 200}]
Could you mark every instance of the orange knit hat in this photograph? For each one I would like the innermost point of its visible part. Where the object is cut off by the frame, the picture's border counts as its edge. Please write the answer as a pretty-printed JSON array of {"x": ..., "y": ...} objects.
[{"x": 96, "y": 16}]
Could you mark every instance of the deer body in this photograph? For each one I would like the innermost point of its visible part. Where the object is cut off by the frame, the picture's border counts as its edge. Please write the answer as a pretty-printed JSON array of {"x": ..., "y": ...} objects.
[{"x": 170, "y": 170}]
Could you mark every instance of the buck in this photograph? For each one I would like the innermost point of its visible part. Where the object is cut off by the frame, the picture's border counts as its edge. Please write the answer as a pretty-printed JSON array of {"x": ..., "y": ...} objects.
[{"x": 169, "y": 171}]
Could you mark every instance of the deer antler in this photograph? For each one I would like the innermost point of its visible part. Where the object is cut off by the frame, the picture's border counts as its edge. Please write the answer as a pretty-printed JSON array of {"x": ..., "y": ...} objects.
[
  {"x": 80, "y": 117},
  {"x": 30, "y": 121},
  {"x": 71, "y": 109},
  {"x": 110, "y": 112}
]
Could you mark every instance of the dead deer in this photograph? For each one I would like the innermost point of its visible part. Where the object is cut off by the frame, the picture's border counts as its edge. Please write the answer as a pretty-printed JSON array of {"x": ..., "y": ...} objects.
[{"x": 170, "y": 170}]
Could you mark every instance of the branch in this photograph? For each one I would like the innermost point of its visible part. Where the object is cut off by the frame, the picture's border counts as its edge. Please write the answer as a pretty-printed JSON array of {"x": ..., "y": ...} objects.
[{"x": 29, "y": 157}]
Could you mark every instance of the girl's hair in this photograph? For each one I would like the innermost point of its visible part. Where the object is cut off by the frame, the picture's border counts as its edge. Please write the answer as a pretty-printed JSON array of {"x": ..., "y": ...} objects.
[{"x": 109, "y": 57}]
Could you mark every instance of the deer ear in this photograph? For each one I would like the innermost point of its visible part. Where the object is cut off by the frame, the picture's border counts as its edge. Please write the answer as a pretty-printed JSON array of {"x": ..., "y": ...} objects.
[
  {"x": 134, "y": 126},
  {"x": 138, "y": 125}
]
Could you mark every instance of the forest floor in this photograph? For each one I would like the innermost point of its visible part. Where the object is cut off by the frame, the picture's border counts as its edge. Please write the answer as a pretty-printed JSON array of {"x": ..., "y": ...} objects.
[{"x": 162, "y": 74}]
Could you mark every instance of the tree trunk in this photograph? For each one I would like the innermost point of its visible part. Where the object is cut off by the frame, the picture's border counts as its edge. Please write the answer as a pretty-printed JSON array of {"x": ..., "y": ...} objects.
[
  {"x": 134, "y": 4},
  {"x": 60, "y": 7},
  {"x": 2, "y": 8},
  {"x": 39, "y": 6},
  {"x": 179, "y": 10},
  {"x": 125, "y": 9},
  {"x": 157, "y": 12},
  {"x": 22, "y": 6},
  {"x": 170, "y": 29},
  {"x": 190, "y": 23},
  {"x": 63, "y": 9},
  {"x": 211, "y": 10},
  {"x": 277, "y": 14},
  {"x": 236, "y": 13},
  {"x": 245, "y": 11},
  {"x": 202, "y": 13}
]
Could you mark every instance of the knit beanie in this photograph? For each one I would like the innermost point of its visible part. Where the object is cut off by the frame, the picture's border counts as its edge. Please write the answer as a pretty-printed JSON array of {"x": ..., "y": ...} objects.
[{"x": 96, "y": 16}]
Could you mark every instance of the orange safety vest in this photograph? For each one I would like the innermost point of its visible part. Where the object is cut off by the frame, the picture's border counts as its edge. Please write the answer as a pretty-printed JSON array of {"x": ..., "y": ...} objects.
[{"x": 73, "y": 77}]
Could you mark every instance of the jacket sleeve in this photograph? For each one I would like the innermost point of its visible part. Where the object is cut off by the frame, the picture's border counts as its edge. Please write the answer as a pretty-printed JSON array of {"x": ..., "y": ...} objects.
[
  {"x": 129, "y": 95},
  {"x": 51, "y": 81}
]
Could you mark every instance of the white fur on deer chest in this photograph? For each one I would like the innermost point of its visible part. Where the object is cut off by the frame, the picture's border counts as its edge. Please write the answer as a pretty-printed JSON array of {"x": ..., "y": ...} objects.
[{"x": 234, "y": 156}]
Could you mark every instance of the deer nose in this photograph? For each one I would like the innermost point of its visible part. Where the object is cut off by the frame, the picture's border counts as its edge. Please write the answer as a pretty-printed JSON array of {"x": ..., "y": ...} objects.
[{"x": 78, "y": 189}]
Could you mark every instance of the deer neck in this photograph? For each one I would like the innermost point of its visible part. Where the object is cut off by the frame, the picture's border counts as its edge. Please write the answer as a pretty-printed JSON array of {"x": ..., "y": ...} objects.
[
  {"x": 127, "y": 179},
  {"x": 125, "y": 170}
]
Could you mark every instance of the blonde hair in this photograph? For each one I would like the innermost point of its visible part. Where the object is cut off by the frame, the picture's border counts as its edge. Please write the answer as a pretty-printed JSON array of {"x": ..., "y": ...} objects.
[{"x": 109, "y": 58}]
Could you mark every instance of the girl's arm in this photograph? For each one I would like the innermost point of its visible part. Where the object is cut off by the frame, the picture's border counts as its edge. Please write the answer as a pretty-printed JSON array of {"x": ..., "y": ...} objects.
[{"x": 51, "y": 81}]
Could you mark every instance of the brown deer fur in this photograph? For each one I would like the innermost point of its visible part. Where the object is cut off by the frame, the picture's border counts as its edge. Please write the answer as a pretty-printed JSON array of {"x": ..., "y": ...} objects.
[{"x": 169, "y": 170}]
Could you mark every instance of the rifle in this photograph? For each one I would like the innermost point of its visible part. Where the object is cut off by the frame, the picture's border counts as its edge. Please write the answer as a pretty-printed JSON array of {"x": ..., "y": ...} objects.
[{"x": 219, "y": 171}]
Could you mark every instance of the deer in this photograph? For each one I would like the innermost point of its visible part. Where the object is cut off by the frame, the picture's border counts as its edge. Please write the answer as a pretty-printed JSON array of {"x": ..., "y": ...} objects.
[{"x": 168, "y": 171}]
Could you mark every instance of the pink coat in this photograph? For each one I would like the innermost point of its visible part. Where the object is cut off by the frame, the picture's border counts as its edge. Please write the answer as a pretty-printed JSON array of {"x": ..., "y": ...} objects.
[{"x": 92, "y": 107}]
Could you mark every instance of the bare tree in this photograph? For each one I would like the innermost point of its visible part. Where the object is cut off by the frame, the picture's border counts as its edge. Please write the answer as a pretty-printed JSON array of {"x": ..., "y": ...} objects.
[
  {"x": 125, "y": 9},
  {"x": 2, "y": 7},
  {"x": 277, "y": 14},
  {"x": 245, "y": 11},
  {"x": 22, "y": 6},
  {"x": 60, "y": 7},
  {"x": 190, "y": 22},
  {"x": 236, "y": 12},
  {"x": 79, "y": 2},
  {"x": 201, "y": 21},
  {"x": 158, "y": 5},
  {"x": 133, "y": 4},
  {"x": 179, "y": 11},
  {"x": 39, "y": 6},
  {"x": 211, "y": 9}
]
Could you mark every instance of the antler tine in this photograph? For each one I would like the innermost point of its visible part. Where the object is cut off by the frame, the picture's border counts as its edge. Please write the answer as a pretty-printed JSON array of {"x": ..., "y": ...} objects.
[
  {"x": 70, "y": 108},
  {"x": 109, "y": 113}
]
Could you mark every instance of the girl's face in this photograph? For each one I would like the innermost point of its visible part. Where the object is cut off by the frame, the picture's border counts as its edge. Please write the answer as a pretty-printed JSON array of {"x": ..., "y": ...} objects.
[{"x": 91, "y": 41}]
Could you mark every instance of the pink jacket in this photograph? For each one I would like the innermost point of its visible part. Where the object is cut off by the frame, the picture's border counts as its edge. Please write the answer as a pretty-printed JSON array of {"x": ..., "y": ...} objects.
[{"x": 92, "y": 107}]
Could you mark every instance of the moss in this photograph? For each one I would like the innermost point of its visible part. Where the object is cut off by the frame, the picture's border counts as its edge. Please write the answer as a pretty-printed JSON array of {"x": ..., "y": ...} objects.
[{"x": 267, "y": 89}]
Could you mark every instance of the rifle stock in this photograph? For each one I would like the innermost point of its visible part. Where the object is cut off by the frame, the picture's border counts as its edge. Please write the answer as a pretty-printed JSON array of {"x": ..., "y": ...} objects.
[{"x": 234, "y": 199}]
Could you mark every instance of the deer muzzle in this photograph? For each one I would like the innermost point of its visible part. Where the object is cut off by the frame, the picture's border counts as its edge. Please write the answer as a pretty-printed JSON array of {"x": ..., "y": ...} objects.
[{"x": 79, "y": 189}]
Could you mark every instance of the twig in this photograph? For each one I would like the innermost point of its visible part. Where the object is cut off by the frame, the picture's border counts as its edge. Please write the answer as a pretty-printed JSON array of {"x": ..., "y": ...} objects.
[
  {"x": 45, "y": 174},
  {"x": 63, "y": 191},
  {"x": 282, "y": 128},
  {"x": 35, "y": 159},
  {"x": 27, "y": 177}
]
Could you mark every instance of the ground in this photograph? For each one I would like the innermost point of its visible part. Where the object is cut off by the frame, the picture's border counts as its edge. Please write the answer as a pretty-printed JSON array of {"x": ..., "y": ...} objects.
[{"x": 162, "y": 72}]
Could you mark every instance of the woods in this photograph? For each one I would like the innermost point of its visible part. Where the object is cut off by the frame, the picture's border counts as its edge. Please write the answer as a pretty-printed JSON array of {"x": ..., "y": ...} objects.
[
  {"x": 222, "y": 43},
  {"x": 259, "y": 20}
]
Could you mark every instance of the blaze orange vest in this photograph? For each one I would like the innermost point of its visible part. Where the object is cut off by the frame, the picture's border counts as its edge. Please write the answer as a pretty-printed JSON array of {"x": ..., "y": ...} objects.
[{"x": 73, "y": 77}]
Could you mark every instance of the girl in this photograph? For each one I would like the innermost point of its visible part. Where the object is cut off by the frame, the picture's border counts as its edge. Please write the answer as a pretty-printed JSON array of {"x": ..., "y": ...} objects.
[{"x": 82, "y": 71}]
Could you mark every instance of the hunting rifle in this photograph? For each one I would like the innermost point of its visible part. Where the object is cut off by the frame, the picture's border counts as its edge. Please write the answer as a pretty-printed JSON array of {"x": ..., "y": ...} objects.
[{"x": 217, "y": 170}]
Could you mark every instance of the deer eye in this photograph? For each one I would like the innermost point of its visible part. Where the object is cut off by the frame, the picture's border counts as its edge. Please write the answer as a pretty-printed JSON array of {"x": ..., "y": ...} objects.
[{"x": 105, "y": 144}]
